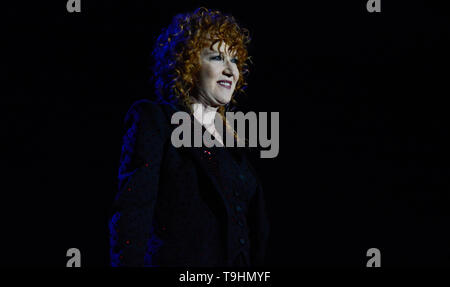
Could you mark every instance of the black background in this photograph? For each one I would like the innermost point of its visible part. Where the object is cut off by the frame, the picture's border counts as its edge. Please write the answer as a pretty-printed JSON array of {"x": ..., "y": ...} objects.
[{"x": 363, "y": 109}]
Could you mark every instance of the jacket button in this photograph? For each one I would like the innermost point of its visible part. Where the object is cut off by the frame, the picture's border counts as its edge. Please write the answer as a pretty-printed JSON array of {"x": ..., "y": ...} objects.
[
  {"x": 242, "y": 241},
  {"x": 238, "y": 208}
]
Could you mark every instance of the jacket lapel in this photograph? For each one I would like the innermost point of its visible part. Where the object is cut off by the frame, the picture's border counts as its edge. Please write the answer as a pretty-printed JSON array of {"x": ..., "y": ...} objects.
[{"x": 196, "y": 154}]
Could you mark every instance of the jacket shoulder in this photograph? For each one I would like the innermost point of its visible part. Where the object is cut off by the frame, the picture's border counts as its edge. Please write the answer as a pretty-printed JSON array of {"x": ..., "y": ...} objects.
[
  {"x": 149, "y": 115},
  {"x": 143, "y": 108}
]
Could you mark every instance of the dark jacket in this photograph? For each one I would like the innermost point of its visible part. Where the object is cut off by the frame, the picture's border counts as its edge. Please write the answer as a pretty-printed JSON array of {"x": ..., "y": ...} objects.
[{"x": 173, "y": 209}]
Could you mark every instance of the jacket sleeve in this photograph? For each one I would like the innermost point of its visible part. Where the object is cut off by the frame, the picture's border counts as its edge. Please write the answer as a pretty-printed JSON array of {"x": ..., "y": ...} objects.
[
  {"x": 140, "y": 161},
  {"x": 259, "y": 228}
]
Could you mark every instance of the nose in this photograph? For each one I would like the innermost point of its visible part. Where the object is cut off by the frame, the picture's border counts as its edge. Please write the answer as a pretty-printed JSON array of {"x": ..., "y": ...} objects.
[{"x": 227, "y": 72}]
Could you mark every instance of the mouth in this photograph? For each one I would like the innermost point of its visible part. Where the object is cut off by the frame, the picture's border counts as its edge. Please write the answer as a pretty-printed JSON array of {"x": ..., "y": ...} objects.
[{"x": 225, "y": 84}]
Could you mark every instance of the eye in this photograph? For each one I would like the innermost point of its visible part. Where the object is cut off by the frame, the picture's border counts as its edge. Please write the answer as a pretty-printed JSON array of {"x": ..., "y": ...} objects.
[
  {"x": 217, "y": 58},
  {"x": 234, "y": 60}
]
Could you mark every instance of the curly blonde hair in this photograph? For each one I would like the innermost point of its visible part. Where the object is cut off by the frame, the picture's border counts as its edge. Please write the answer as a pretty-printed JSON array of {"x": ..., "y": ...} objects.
[{"x": 177, "y": 51}]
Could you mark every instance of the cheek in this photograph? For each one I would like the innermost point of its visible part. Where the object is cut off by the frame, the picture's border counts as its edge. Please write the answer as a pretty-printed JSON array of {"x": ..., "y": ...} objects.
[
  {"x": 236, "y": 72},
  {"x": 209, "y": 73}
]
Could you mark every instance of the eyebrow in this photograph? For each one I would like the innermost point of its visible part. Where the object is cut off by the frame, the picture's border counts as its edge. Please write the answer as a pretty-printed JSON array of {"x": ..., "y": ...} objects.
[{"x": 209, "y": 52}]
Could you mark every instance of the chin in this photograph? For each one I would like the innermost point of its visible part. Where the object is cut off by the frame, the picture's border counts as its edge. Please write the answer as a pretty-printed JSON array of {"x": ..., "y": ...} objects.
[{"x": 223, "y": 100}]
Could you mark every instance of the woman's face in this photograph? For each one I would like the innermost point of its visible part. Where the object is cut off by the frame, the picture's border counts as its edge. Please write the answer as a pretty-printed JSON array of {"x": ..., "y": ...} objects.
[{"x": 218, "y": 75}]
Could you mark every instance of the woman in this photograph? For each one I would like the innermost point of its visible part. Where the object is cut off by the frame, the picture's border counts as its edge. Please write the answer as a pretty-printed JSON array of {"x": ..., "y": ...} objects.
[{"x": 189, "y": 206}]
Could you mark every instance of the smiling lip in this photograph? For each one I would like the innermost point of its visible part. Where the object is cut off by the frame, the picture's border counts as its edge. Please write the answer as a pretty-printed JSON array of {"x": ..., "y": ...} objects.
[{"x": 225, "y": 84}]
